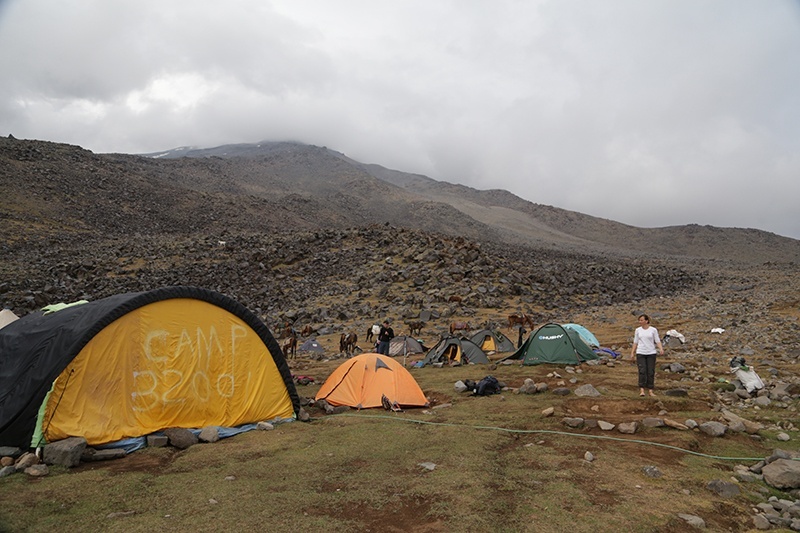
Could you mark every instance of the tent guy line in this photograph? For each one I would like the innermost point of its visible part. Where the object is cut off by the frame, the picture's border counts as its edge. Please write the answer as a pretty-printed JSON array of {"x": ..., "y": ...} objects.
[{"x": 553, "y": 432}]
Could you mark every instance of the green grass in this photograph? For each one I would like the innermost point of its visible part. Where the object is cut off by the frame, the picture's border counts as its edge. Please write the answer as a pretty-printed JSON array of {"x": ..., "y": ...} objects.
[{"x": 500, "y": 466}]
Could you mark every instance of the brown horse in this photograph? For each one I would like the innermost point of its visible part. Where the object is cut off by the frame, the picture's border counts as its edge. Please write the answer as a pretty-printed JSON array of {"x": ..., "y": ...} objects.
[
  {"x": 347, "y": 343},
  {"x": 522, "y": 319},
  {"x": 307, "y": 330},
  {"x": 289, "y": 347},
  {"x": 414, "y": 328},
  {"x": 459, "y": 326}
]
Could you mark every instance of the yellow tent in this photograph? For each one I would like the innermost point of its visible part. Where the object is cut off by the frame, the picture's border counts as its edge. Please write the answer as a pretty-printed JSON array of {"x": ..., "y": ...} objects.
[
  {"x": 362, "y": 381},
  {"x": 133, "y": 364}
]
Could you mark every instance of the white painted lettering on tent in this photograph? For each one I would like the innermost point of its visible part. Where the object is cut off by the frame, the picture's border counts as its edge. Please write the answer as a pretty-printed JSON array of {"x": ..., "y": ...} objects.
[{"x": 550, "y": 337}]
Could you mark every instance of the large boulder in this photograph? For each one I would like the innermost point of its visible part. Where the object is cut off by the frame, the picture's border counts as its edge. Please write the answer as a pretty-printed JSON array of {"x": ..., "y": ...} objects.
[
  {"x": 66, "y": 452},
  {"x": 782, "y": 474}
]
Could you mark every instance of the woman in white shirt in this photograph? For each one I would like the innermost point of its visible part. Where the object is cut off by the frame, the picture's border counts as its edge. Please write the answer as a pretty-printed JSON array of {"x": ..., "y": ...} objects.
[{"x": 645, "y": 342}]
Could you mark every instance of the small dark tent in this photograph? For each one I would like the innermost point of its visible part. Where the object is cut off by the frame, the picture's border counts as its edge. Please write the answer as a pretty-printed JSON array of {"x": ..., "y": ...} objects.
[
  {"x": 492, "y": 341},
  {"x": 311, "y": 345},
  {"x": 133, "y": 364},
  {"x": 453, "y": 350},
  {"x": 552, "y": 343}
]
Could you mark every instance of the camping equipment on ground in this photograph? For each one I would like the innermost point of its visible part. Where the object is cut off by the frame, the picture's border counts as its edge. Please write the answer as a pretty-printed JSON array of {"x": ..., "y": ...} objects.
[
  {"x": 552, "y": 343},
  {"x": 133, "y": 364},
  {"x": 673, "y": 338},
  {"x": 486, "y": 386},
  {"x": 746, "y": 374},
  {"x": 363, "y": 380}
]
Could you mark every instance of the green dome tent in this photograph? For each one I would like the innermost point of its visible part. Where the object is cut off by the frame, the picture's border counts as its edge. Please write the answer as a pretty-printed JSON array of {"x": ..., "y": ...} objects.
[{"x": 554, "y": 344}]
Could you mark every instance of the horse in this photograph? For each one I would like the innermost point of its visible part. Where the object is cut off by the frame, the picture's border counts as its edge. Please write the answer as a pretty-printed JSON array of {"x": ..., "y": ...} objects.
[
  {"x": 289, "y": 347},
  {"x": 458, "y": 326},
  {"x": 415, "y": 326},
  {"x": 307, "y": 330},
  {"x": 521, "y": 319},
  {"x": 347, "y": 343},
  {"x": 372, "y": 331}
]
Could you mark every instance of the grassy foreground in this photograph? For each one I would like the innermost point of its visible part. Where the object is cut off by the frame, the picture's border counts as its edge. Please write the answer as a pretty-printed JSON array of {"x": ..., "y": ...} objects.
[{"x": 500, "y": 465}]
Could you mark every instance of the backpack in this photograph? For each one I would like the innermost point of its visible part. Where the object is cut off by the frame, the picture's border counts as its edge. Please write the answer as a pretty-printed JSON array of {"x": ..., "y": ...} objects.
[{"x": 486, "y": 386}]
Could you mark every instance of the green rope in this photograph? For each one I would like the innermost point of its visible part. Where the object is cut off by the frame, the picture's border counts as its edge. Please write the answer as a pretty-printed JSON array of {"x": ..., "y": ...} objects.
[{"x": 553, "y": 432}]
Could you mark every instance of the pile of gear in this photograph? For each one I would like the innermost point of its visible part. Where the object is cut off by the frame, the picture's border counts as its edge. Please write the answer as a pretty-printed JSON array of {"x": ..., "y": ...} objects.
[{"x": 746, "y": 375}]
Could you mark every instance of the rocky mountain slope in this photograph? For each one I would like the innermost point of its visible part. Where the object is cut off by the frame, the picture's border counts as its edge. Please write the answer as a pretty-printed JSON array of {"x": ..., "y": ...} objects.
[
  {"x": 301, "y": 232},
  {"x": 510, "y": 218}
]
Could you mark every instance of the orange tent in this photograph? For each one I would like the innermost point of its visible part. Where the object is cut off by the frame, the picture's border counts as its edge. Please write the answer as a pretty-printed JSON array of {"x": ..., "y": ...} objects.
[{"x": 362, "y": 381}]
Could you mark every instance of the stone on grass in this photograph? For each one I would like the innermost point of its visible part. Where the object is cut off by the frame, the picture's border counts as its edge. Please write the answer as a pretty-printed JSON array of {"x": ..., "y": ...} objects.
[
  {"x": 713, "y": 429},
  {"x": 726, "y": 489},
  {"x": 587, "y": 390},
  {"x": 157, "y": 441},
  {"x": 37, "y": 470},
  {"x": 675, "y": 425},
  {"x": 66, "y": 452},
  {"x": 782, "y": 474},
  {"x": 652, "y": 422},
  {"x": 208, "y": 434},
  {"x": 693, "y": 520},
  {"x": 181, "y": 438},
  {"x": 652, "y": 471}
]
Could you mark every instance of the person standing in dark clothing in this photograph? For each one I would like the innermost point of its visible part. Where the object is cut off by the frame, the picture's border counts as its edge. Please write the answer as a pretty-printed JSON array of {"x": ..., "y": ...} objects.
[
  {"x": 522, "y": 332},
  {"x": 385, "y": 335}
]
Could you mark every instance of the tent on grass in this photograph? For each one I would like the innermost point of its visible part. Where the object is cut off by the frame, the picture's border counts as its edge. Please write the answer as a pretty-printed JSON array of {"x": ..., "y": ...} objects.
[
  {"x": 453, "y": 350},
  {"x": 133, "y": 364},
  {"x": 311, "y": 345},
  {"x": 492, "y": 341},
  {"x": 552, "y": 343},
  {"x": 362, "y": 381},
  {"x": 586, "y": 335},
  {"x": 404, "y": 345}
]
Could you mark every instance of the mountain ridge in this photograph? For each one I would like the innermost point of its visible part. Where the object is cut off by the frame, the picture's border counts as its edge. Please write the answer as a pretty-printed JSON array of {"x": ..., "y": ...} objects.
[
  {"x": 290, "y": 186},
  {"x": 519, "y": 221}
]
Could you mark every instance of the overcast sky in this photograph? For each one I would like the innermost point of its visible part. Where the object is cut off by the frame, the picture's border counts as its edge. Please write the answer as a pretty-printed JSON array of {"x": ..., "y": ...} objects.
[{"x": 652, "y": 113}]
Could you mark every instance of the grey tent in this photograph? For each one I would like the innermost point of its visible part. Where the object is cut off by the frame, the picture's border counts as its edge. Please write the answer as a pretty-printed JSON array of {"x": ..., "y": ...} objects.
[
  {"x": 492, "y": 341},
  {"x": 404, "y": 345},
  {"x": 311, "y": 345},
  {"x": 453, "y": 350},
  {"x": 552, "y": 343}
]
